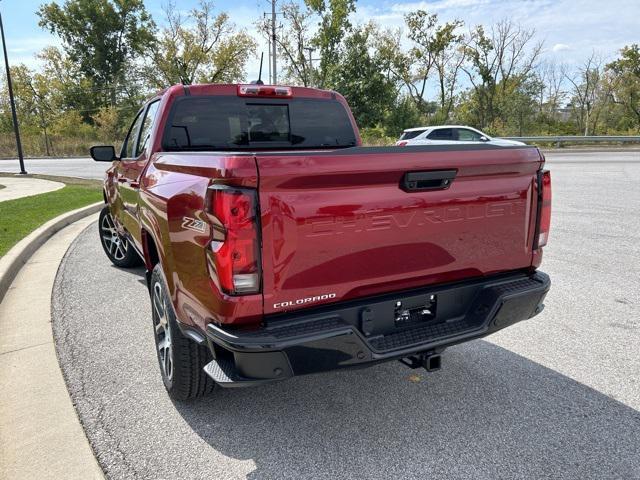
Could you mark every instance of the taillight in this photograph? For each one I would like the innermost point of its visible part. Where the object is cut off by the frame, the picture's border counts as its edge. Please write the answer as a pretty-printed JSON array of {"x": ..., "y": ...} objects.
[
  {"x": 235, "y": 243},
  {"x": 264, "y": 91},
  {"x": 544, "y": 219},
  {"x": 401, "y": 144}
]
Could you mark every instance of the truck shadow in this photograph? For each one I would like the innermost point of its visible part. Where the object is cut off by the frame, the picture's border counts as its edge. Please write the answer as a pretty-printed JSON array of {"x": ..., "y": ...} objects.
[
  {"x": 489, "y": 413},
  {"x": 135, "y": 271}
]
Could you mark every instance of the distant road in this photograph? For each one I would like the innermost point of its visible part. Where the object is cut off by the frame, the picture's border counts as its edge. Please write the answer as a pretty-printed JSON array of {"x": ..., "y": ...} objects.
[
  {"x": 591, "y": 156},
  {"x": 87, "y": 168},
  {"x": 66, "y": 167}
]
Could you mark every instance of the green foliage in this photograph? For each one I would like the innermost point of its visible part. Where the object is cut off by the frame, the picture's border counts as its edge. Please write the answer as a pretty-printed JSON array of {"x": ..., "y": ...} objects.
[
  {"x": 333, "y": 24},
  {"x": 201, "y": 47},
  {"x": 499, "y": 63},
  {"x": 376, "y": 136},
  {"x": 359, "y": 78},
  {"x": 108, "y": 124},
  {"x": 626, "y": 83},
  {"x": 403, "y": 115},
  {"x": 437, "y": 48},
  {"x": 298, "y": 45},
  {"x": 101, "y": 36}
]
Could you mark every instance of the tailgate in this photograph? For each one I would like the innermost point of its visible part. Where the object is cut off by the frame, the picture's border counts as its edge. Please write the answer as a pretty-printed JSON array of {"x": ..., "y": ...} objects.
[{"x": 341, "y": 225}]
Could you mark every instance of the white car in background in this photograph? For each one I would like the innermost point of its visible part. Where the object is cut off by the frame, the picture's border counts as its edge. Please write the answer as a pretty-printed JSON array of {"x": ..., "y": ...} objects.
[{"x": 449, "y": 134}]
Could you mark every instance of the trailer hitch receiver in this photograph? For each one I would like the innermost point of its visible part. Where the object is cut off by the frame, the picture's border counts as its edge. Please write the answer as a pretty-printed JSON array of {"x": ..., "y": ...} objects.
[{"x": 430, "y": 361}]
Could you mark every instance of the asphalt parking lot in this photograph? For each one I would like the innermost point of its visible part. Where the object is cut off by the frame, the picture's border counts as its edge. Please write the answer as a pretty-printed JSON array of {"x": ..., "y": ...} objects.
[{"x": 555, "y": 397}]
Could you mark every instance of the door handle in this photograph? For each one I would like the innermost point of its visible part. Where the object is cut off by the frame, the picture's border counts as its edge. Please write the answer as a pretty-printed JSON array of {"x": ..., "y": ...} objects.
[{"x": 430, "y": 180}]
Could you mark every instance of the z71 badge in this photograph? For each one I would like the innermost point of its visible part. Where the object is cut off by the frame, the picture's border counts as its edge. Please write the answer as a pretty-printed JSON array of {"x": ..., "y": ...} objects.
[{"x": 193, "y": 224}]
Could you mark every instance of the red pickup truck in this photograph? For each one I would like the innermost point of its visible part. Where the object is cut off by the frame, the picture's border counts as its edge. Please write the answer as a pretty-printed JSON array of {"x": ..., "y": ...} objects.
[{"x": 276, "y": 245}]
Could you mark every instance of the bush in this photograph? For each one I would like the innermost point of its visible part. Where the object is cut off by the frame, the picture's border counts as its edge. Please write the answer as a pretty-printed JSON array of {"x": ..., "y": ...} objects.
[
  {"x": 60, "y": 146},
  {"x": 376, "y": 137}
]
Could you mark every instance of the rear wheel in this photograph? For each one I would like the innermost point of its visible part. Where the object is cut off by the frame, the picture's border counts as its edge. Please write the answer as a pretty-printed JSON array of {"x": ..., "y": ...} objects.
[
  {"x": 181, "y": 360},
  {"x": 116, "y": 246}
]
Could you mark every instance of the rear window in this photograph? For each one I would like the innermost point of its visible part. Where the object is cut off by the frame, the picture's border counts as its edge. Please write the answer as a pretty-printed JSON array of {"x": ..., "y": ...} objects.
[
  {"x": 231, "y": 123},
  {"x": 411, "y": 134},
  {"x": 441, "y": 134}
]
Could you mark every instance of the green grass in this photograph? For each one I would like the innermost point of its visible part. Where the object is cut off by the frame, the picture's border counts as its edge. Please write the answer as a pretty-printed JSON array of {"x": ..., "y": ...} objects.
[{"x": 21, "y": 216}]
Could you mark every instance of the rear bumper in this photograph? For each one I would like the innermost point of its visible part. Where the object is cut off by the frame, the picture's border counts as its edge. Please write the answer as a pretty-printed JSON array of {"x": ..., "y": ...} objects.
[{"x": 364, "y": 332}]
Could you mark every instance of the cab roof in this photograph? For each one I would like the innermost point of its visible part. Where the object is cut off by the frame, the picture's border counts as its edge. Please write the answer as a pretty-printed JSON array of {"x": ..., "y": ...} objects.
[{"x": 232, "y": 89}]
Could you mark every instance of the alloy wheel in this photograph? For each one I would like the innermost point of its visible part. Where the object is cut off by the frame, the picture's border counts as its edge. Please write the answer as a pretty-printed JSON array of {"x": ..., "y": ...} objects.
[
  {"x": 116, "y": 245},
  {"x": 162, "y": 330}
]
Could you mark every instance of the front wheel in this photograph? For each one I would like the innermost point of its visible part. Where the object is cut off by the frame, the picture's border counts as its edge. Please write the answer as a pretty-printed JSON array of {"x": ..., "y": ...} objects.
[
  {"x": 117, "y": 247},
  {"x": 181, "y": 360}
]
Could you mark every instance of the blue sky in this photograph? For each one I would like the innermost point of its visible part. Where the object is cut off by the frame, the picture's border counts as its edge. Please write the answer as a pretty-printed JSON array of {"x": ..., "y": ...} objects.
[{"x": 571, "y": 30}]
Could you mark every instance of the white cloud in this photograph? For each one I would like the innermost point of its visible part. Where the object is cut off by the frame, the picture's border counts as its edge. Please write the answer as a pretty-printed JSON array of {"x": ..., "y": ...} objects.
[
  {"x": 437, "y": 5},
  {"x": 24, "y": 50},
  {"x": 559, "y": 47},
  {"x": 564, "y": 27},
  {"x": 31, "y": 44}
]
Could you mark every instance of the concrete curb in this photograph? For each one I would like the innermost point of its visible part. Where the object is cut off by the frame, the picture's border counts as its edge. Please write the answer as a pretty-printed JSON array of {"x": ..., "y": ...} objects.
[{"x": 15, "y": 258}]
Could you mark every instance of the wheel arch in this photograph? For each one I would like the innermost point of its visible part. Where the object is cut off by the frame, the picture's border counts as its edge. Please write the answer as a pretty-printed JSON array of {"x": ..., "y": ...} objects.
[{"x": 150, "y": 250}]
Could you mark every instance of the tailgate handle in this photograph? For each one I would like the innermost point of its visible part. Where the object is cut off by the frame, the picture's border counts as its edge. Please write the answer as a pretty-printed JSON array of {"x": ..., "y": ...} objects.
[{"x": 431, "y": 180}]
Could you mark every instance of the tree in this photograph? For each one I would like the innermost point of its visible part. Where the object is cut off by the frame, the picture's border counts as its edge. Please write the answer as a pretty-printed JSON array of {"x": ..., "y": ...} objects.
[
  {"x": 102, "y": 36},
  {"x": 520, "y": 106},
  {"x": 199, "y": 47},
  {"x": 552, "y": 94},
  {"x": 404, "y": 114},
  {"x": 626, "y": 81},
  {"x": 333, "y": 25},
  {"x": 70, "y": 89},
  {"x": 497, "y": 63},
  {"x": 45, "y": 121},
  {"x": 296, "y": 38},
  {"x": 31, "y": 91},
  {"x": 435, "y": 48},
  {"x": 589, "y": 93},
  {"x": 359, "y": 78},
  {"x": 108, "y": 125},
  {"x": 293, "y": 41}
]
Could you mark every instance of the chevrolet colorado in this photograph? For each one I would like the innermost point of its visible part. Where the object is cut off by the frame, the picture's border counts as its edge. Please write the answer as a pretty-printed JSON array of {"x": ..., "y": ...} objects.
[{"x": 276, "y": 245}]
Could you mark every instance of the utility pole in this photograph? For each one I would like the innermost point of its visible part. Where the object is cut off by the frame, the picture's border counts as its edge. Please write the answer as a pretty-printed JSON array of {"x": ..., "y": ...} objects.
[
  {"x": 311, "y": 60},
  {"x": 273, "y": 42},
  {"x": 273, "y": 77},
  {"x": 12, "y": 101},
  {"x": 269, "y": 63}
]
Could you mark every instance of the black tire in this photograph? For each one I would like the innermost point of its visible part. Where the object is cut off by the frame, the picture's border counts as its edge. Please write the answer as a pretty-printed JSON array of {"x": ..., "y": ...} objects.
[
  {"x": 120, "y": 252},
  {"x": 181, "y": 360}
]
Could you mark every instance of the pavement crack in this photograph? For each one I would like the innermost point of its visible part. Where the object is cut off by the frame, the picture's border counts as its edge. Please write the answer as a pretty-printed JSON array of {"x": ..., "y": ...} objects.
[{"x": 25, "y": 348}]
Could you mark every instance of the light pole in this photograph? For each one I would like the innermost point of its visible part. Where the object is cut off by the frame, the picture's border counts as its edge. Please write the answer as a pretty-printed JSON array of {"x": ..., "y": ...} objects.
[{"x": 12, "y": 101}]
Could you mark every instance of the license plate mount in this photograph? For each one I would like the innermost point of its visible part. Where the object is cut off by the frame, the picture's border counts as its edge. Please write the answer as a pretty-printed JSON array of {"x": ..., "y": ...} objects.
[{"x": 408, "y": 315}]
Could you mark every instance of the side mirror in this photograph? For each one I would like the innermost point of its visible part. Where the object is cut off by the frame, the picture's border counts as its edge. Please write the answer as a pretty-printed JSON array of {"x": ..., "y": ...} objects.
[
  {"x": 484, "y": 139},
  {"x": 103, "y": 153}
]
